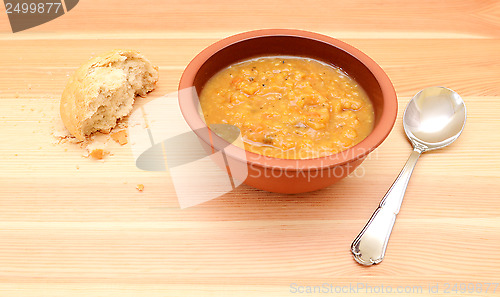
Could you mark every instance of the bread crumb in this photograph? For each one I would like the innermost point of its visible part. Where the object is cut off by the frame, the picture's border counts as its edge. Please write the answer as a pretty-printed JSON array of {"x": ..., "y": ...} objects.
[
  {"x": 77, "y": 167},
  {"x": 61, "y": 134},
  {"x": 140, "y": 187},
  {"x": 96, "y": 150},
  {"x": 17, "y": 95},
  {"x": 122, "y": 123},
  {"x": 120, "y": 137},
  {"x": 97, "y": 153}
]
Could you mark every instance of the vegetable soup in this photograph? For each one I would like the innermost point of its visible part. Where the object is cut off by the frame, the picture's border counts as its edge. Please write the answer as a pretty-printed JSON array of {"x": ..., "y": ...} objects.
[{"x": 289, "y": 107}]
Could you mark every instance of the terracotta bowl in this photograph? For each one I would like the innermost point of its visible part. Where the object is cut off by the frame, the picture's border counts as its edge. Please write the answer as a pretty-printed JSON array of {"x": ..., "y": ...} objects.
[{"x": 286, "y": 175}]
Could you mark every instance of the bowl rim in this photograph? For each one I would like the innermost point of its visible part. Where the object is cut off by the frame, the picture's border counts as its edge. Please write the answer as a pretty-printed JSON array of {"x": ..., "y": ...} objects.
[{"x": 358, "y": 151}]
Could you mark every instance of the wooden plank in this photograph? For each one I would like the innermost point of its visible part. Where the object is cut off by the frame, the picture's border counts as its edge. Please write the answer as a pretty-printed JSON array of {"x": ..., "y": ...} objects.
[
  {"x": 476, "y": 18},
  {"x": 72, "y": 226},
  {"x": 466, "y": 65}
]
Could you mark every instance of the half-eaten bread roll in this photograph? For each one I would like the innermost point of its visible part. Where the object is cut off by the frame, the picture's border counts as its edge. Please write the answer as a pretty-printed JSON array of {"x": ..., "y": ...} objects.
[{"x": 103, "y": 89}]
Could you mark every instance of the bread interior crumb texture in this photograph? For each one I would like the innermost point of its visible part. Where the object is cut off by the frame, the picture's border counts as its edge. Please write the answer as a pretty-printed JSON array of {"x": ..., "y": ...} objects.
[
  {"x": 103, "y": 91},
  {"x": 117, "y": 87}
]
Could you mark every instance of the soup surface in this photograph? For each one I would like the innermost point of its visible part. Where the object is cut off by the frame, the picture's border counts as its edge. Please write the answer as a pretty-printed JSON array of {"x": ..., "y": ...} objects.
[{"x": 289, "y": 107}]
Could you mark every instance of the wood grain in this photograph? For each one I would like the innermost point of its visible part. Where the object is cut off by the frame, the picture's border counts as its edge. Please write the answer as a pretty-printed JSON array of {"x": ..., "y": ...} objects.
[{"x": 70, "y": 226}]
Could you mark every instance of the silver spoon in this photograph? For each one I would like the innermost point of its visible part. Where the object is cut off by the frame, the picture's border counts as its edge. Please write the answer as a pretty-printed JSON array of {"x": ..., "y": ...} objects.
[{"x": 433, "y": 119}]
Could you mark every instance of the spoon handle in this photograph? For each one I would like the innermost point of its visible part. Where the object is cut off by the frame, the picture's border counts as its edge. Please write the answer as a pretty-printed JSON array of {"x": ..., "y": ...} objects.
[{"x": 369, "y": 246}]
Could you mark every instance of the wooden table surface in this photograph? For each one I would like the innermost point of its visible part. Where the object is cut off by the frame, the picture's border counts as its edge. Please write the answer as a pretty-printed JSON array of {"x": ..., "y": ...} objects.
[{"x": 71, "y": 226}]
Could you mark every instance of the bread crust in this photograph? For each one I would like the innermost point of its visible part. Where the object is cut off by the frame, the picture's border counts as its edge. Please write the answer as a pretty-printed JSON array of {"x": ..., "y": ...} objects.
[{"x": 83, "y": 89}]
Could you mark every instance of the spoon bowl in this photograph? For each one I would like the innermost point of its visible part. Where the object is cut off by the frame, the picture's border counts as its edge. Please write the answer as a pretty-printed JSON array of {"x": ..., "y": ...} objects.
[{"x": 433, "y": 119}]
